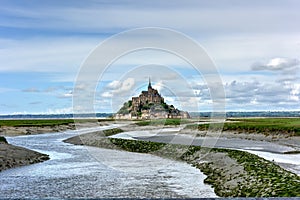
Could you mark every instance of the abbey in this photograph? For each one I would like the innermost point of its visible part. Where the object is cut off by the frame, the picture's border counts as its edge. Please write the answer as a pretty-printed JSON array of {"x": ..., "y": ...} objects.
[
  {"x": 147, "y": 97},
  {"x": 149, "y": 104}
]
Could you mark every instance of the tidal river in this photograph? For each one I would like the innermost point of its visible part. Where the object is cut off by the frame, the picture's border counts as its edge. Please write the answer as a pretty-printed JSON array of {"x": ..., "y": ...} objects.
[
  {"x": 270, "y": 151},
  {"x": 74, "y": 172}
]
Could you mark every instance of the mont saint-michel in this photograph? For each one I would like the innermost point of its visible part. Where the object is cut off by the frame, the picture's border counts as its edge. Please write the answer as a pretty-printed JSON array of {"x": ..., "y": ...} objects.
[{"x": 149, "y": 105}]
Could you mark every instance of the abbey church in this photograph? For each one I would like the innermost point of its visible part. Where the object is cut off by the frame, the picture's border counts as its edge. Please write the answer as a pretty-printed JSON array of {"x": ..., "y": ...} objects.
[
  {"x": 147, "y": 97},
  {"x": 148, "y": 105}
]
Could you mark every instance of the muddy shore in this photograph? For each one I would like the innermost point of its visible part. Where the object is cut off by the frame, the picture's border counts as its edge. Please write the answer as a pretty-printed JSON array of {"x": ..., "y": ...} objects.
[
  {"x": 30, "y": 130},
  {"x": 14, "y": 156}
]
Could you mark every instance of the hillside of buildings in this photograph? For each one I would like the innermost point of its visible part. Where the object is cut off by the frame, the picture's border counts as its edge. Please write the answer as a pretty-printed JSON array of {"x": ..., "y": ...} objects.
[{"x": 149, "y": 104}]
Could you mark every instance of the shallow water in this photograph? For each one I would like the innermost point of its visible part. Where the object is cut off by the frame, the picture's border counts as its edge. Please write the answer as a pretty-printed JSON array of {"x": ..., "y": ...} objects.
[
  {"x": 237, "y": 143},
  {"x": 270, "y": 151},
  {"x": 290, "y": 162},
  {"x": 88, "y": 172}
]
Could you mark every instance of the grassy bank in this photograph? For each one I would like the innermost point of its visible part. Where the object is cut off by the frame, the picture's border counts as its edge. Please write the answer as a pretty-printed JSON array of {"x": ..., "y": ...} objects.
[
  {"x": 46, "y": 122},
  {"x": 288, "y": 126},
  {"x": 161, "y": 122},
  {"x": 38, "y": 126},
  {"x": 35, "y": 122},
  {"x": 262, "y": 178},
  {"x": 232, "y": 173}
]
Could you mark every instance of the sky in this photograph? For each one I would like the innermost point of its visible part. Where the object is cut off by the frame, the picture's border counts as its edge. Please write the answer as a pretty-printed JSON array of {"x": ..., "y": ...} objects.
[{"x": 255, "y": 46}]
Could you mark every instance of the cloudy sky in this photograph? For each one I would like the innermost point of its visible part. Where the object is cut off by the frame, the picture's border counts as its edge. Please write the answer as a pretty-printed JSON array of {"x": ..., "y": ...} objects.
[{"x": 255, "y": 46}]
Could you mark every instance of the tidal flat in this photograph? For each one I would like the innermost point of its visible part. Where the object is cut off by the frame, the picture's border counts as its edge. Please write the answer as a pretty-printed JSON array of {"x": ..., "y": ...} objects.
[{"x": 232, "y": 173}]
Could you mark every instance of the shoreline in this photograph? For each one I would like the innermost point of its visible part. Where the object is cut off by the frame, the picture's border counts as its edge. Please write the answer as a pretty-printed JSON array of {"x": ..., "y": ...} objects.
[
  {"x": 12, "y": 156},
  {"x": 28, "y": 129},
  {"x": 31, "y": 130}
]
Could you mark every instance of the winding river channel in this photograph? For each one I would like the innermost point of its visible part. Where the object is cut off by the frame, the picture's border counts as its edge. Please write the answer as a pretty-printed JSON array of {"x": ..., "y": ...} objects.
[
  {"x": 72, "y": 172},
  {"x": 268, "y": 150}
]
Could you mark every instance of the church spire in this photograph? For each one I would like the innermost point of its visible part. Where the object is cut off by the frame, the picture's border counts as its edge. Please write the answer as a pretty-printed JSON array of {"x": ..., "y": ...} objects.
[{"x": 149, "y": 85}]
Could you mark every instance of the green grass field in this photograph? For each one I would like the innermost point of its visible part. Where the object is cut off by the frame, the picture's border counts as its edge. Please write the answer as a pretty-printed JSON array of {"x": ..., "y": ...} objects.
[
  {"x": 250, "y": 125},
  {"x": 35, "y": 122},
  {"x": 259, "y": 125},
  {"x": 45, "y": 122}
]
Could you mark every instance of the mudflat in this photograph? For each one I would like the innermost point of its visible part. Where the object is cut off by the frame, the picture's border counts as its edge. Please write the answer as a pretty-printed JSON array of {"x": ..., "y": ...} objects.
[
  {"x": 40, "y": 126},
  {"x": 14, "y": 156}
]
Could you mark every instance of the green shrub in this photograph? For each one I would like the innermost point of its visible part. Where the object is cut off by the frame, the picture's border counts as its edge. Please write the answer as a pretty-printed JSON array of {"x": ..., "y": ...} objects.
[
  {"x": 137, "y": 146},
  {"x": 113, "y": 131}
]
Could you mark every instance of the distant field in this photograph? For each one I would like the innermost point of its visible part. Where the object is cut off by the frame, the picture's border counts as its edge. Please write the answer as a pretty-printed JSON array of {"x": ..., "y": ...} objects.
[
  {"x": 258, "y": 125},
  {"x": 249, "y": 125},
  {"x": 36, "y": 122},
  {"x": 43, "y": 122}
]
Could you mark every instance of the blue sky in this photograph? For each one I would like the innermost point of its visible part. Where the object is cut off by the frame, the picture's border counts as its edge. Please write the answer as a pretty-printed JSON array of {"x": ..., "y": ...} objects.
[{"x": 254, "y": 44}]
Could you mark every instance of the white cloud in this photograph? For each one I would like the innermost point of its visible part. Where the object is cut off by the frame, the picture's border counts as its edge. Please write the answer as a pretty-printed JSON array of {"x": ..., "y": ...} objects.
[
  {"x": 107, "y": 94},
  {"x": 125, "y": 86},
  {"x": 216, "y": 28},
  {"x": 60, "y": 54},
  {"x": 242, "y": 50},
  {"x": 276, "y": 64},
  {"x": 295, "y": 92},
  {"x": 68, "y": 94},
  {"x": 234, "y": 35},
  {"x": 114, "y": 94},
  {"x": 254, "y": 95},
  {"x": 67, "y": 110},
  {"x": 197, "y": 16},
  {"x": 114, "y": 84},
  {"x": 158, "y": 85}
]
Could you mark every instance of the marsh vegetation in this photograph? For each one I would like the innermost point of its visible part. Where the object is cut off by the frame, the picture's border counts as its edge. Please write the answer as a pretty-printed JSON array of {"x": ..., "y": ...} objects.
[{"x": 265, "y": 126}]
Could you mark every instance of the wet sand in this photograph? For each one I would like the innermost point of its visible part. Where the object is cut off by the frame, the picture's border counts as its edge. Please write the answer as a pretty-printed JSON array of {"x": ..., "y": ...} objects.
[
  {"x": 30, "y": 130},
  {"x": 14, "y": 156}
]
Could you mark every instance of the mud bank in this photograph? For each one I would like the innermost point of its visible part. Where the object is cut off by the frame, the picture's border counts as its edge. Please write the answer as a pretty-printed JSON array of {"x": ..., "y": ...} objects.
[{"x": 14, "y": 156}]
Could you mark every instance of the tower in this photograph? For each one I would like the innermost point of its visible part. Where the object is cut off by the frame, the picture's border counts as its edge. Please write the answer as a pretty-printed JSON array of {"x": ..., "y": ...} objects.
[{"x": 149, "y": 85}]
